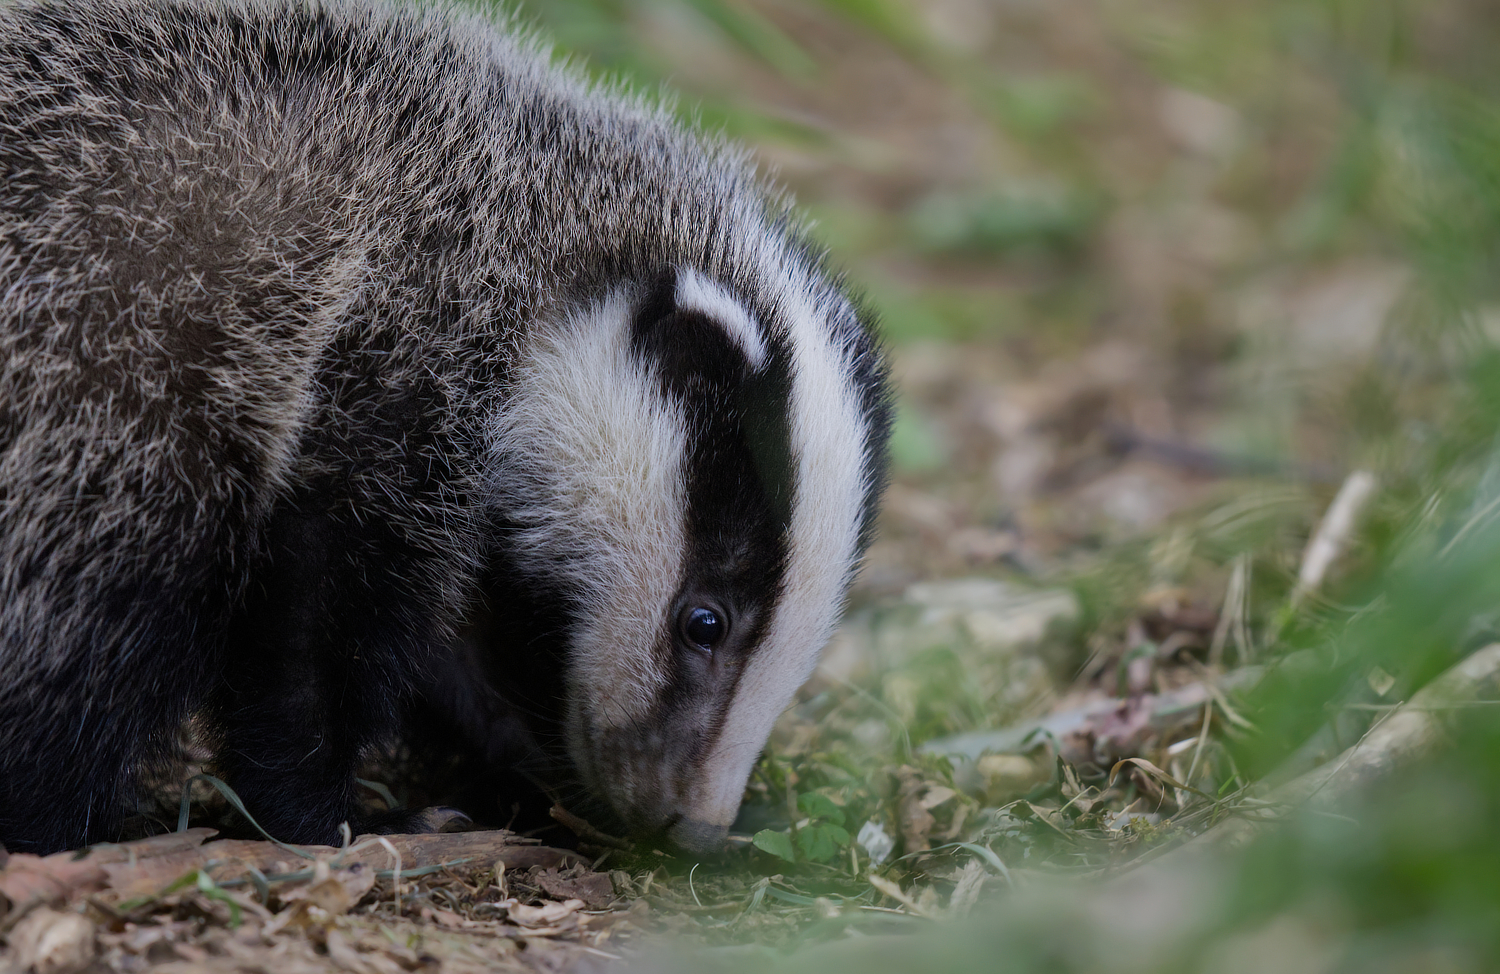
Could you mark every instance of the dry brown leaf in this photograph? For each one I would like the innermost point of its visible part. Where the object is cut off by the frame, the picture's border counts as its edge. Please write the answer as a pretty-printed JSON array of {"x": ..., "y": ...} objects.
[
  {"x": 299, "y": 916},
  {"x": 145, "y": 868},
  {"x": 916, "y": 821},
  {"x": 446, "y": 918},
  {"x": 936, "y": 795},
  {"x": 595, "y": 889},
  {"x": 1123, "y": 730},
  {"x": 927, "y": 902},
  {"x": 895, "y": 892},
  {"x": 140, "y": 938},
  {"x": 404, "y": 957},
  {"x": 190, "y": 952},
  {"x": 546, "y": 915},
  {"x": 956, "y": 823},
  {"x": 357, "y": 962},
  {"x": 47, "y": 941},
  {"x": 967, "y": 889},
  {"x": 334, "y": 891},
  {"x": 28, "y": 879},
  {"x": 1156, "y": 773}
]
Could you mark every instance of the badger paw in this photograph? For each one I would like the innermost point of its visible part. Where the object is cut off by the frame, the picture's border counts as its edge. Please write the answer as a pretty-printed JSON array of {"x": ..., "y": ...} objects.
[{"x": 404, "y": 821}]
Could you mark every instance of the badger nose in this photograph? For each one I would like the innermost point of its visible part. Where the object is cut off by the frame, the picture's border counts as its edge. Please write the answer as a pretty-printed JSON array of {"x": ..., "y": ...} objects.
[{"x": 691, "y": 835}]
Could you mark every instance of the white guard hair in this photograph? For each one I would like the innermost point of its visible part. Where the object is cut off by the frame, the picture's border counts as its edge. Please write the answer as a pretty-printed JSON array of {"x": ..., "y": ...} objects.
[
  {"x": 590, "y": 463},
  {"x": 827, "y": 438},
  {"x": 697, "y": 293}
]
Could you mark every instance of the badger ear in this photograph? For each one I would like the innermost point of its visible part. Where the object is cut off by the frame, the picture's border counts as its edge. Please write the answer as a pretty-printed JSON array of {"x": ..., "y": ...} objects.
[{"x": 695, "y": 331}]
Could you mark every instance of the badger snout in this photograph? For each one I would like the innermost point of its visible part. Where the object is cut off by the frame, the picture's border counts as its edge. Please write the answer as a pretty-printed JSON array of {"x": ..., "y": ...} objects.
[
  {"x": 654, "y": 811},
  {"x": 677, "y": 827},
  {"x": 692, "y": 835}
]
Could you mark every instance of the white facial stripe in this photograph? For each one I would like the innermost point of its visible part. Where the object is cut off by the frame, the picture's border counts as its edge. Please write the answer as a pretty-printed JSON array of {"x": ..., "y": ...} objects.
[
  {"x": 697, "y": 293},
  {"x": 827, "y": 439},
  {"x": 590, "y": 461}
]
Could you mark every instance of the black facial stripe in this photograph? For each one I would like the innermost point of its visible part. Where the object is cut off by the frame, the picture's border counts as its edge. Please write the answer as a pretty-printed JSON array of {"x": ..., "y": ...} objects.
[
  {"x": 740, "y": 489},
  {"x": 764, "y": 403},
  {"x": 659, "y": 301},
  {"x": 739, "y": 495},
  {"x": 688, "y": 348}
]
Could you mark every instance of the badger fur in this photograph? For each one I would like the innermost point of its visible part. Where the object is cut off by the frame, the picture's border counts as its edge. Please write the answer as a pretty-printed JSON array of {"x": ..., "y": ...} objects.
[{"x": 354, "y": 358}]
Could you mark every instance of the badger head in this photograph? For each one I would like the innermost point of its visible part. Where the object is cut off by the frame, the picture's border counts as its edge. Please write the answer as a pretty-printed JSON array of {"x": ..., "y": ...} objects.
[{"x": 691, "y": 471}]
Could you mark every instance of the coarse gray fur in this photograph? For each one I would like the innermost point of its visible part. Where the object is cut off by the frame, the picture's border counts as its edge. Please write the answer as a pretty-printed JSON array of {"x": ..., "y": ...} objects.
[{"x": 269, "y": 272}]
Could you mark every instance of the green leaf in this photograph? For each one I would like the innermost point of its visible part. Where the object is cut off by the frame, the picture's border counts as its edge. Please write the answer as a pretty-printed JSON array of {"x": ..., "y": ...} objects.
[
  {"x": 820, "y": 843},
  {"x": 816, "y": 805},
  {"x": 776, "y": 843},
  {"x": 210, "y": 889},
  {"x": 814, "y": 844},
  {"x": 796, "y": 899}
]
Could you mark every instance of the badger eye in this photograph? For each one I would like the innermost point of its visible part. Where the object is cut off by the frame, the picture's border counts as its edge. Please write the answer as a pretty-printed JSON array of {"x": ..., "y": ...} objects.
[{"x": 703, "y": 627}]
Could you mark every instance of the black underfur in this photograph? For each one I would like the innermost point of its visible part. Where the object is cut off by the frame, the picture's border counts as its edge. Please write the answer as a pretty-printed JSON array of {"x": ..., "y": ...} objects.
[{"x": 485, "y": 736}]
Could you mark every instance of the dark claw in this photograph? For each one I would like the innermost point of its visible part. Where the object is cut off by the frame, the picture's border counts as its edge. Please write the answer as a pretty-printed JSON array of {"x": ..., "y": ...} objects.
[
  {"x": 443, "y": 819},
  {"x": 422, "y": 821}
]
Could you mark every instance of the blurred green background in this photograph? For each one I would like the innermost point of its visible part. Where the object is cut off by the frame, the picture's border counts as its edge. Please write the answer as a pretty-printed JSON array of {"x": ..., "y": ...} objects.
[{"x": 1156, "y": 276}]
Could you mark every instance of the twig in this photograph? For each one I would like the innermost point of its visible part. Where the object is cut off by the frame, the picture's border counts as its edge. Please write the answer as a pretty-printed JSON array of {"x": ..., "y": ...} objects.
[
  {"x": 1232, "y": 615},
  {"x": 1163, "y": 706},
  {"x": 146, "y": 867},
  {"x": 1334, "y": 532},
  {"x": 1208, "y": 717},
  {"x": 395, "y": 872},
  {"x": 584, "y": 830}
]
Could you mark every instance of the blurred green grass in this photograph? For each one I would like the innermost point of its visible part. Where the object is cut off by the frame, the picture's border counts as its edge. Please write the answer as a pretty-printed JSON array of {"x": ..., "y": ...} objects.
[{"x": 1329, "y": 131}]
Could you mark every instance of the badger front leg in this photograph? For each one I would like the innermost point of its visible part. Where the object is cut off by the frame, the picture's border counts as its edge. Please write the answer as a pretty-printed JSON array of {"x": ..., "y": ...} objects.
[
  {"x": 336, "y": 629},
  {"x": 96, "y": 673}
]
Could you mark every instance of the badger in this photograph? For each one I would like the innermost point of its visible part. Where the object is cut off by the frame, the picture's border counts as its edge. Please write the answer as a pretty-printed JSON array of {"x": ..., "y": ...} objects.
[{"x": 356, "y": 356}]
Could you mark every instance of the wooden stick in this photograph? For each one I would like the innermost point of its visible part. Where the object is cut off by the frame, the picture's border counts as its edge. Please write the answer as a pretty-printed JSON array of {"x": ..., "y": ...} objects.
[
  {"x": 1334, "y": 532},
  {"x": 585, "y": 831},
  {"x": 146, "y": 867}
]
